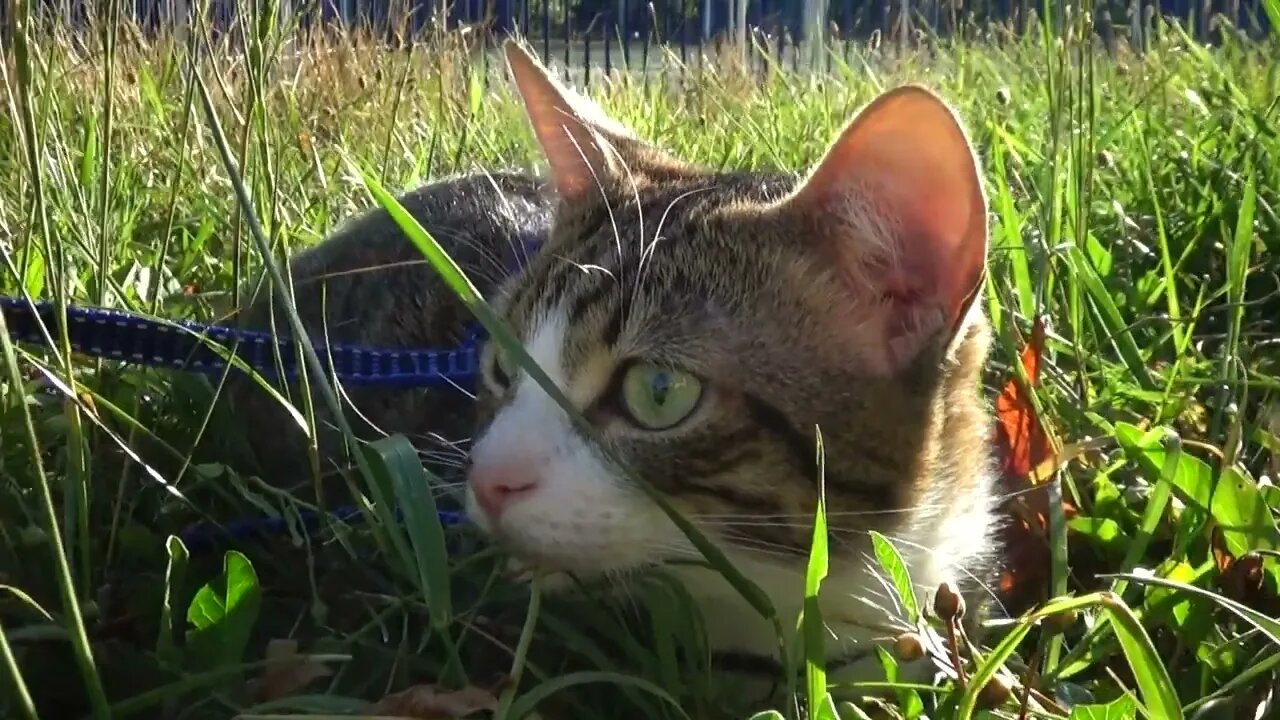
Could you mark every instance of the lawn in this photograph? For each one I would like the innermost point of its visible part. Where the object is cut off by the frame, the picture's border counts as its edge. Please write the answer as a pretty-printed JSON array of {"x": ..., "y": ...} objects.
[{"x": 1134, "y": 207}]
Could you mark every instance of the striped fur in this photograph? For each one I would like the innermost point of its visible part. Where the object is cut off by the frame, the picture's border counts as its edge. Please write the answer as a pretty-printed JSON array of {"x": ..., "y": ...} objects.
[{"x": 720, "y": 275}]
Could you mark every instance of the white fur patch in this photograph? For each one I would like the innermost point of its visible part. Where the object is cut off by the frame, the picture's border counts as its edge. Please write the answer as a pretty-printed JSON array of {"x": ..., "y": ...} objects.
[{"x": 579, "y": 517}]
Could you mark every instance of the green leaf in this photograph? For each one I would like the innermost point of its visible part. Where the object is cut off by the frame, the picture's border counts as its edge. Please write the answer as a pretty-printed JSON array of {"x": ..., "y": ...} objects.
[
  {"x": 223, "y": 613},
  {"x": 826, "y": 708},
  {"x": 1234, "y": 501},
  {"x": 1189, "y": 616},
  {"x": 893, "y": 566},
  {"x": 412, "y": 488},
  {"x": 813, "y": 627},
  {"x": 1104, "y": 532},
  {"x": 33, "y": 278},
  {"x": 1242, "y": 514},
  {"x": 1154, "y": 684},
  {"x": 849, "y": 711},
  {"x": 1123, "y": 708},
  {"x": 174, "y": 577}
]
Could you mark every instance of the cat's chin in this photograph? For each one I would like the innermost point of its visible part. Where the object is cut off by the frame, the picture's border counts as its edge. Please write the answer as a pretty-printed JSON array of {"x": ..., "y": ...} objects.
[{"x": 557, "y": 577}]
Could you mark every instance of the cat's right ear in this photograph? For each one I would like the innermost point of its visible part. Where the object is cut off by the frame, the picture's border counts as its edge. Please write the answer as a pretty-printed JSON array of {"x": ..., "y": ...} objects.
[
  {"x": 577, "y": 137},
  {"x": 897, "y": 207}
]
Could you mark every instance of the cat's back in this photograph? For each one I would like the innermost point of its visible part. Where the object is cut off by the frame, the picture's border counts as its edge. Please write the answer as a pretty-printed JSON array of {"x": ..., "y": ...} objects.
[
  {"x": 369, "y": 284},
  {"x": 483, "y": 221}
]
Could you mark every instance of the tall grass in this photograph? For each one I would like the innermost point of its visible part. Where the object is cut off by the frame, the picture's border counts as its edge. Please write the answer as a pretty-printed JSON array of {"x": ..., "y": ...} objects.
[{"x": 1134, "y": 200}]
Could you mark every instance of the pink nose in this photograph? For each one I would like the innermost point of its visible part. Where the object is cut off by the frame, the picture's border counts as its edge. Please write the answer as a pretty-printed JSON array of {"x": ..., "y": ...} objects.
[{"x": 497, "y": 486}]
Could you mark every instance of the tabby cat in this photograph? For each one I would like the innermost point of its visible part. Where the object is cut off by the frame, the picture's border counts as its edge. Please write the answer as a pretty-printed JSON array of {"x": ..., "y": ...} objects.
[{"x": 709, "y": 326}]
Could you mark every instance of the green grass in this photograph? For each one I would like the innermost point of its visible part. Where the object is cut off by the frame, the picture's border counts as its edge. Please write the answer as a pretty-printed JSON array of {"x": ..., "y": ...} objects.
[{"x": 1134, "y": 201}]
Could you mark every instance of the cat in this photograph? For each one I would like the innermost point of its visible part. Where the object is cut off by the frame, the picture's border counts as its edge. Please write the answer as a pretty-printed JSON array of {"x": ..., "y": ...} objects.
[{"x": 709, "y": 326}]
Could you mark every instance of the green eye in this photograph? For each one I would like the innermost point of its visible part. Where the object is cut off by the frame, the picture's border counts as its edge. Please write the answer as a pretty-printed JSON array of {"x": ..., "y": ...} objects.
[{"x": 658, "y": 398}]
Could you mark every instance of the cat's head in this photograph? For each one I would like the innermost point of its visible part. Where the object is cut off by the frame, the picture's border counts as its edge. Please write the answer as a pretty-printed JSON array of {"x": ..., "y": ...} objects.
[{"x": 709, "y": 325}]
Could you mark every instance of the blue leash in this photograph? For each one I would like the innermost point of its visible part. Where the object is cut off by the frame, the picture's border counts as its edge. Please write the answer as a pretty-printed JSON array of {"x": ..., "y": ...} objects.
[
  {"x": 194, "y": 347},
  {"x": 186, "y": 346}
]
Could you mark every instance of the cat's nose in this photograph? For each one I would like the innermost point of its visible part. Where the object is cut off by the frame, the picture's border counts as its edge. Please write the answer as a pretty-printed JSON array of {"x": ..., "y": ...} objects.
[{"x": 497, "y": 486}]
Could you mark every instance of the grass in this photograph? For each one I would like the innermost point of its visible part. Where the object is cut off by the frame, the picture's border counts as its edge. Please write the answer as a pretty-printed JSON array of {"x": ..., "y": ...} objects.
[{"x": 1134, "y": 200}]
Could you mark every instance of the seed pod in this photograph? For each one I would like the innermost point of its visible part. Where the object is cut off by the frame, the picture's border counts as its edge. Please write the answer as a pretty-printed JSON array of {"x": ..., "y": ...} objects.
[
  {"x": 1060, "y": 622},
  {"x": 908, "y": 647},
  {"x": 947, "y": 603},
  {"x": 994, "y": 694}
]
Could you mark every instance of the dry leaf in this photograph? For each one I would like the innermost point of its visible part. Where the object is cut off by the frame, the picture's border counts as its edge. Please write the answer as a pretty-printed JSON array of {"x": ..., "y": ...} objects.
[
  {"x": 1019, "y": 433},
  {"x": 286, "y": 671},
  {"x": 1028, "y": 455},
  {"x": 427, "y": 702}
]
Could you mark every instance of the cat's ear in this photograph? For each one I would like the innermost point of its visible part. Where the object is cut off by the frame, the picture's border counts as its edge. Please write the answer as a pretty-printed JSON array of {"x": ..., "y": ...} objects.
[
  {"x": 897, "y": 205},
  {"x": 576, "y": 136}
]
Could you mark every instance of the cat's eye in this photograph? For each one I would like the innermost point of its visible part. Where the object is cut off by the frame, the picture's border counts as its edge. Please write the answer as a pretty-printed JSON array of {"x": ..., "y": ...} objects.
[{"x": 659, "y": 398}]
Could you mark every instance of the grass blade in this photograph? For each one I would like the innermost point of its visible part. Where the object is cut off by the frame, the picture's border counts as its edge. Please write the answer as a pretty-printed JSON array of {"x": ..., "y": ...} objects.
[
  {"x": 994, "y": 660},
  {"x": 1119, "y": 334},
  {"x": 813, "y": 627},
  {"x": 1154, "y": 683},
  {"x": 174, "y": 577},
  {"x": 20, "y": 691},
  {"x": 528, "y": 702},
  {"x": 426, "y": 536},
  {"x": 73, "y": 618}
]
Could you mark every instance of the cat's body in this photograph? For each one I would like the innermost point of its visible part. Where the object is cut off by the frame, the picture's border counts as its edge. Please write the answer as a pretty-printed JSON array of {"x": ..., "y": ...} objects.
[
  {"x": 367, "y": 284},
  {"x": 709, "y": 326}
]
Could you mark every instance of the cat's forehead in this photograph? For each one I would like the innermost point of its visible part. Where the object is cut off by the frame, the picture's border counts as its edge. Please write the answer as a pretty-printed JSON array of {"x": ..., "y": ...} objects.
[
  {"x": 662, "y": 252},
  {"x": 677, "y": 221}
]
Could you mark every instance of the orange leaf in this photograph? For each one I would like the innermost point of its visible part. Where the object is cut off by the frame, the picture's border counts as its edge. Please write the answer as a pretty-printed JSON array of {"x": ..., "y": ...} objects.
[
  {"x": 1019, "y": 434},
  {"x": 1027, "y": 456}
]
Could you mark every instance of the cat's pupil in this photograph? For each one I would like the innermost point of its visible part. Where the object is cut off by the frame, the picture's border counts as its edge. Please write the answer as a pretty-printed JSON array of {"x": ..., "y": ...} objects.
[{"x": 660, "y": 386}]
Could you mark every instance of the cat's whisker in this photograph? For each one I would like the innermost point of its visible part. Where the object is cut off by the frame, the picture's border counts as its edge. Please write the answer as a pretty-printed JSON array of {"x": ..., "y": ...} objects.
[
  {"x": 619, "y": 583},
  {"x": 519, "y": 250},
  {"x": 454, "y": 384},
  {"x": 830, "y": 514},
  {"x": 444, "y": 456},
  {"x": 966, "y": 572},
  {"x": 639, "y": 207},
  {"x": 748, "y": 542},
  {"x": 647, "y": 249}
]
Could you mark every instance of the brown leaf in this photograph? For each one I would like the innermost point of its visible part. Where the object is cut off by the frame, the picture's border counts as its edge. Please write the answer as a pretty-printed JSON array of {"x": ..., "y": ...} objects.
[
  {"x": 427, "y": 702},
  {"x": 1243, "y": 579},
  {"x": 286, "y": 671}
]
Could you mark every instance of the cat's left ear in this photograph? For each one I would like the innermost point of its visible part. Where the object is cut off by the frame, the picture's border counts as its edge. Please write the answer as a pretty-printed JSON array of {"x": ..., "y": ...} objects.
[
  {"x": 898, "y": 208},
  {"x": 578, "y": 139}
]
